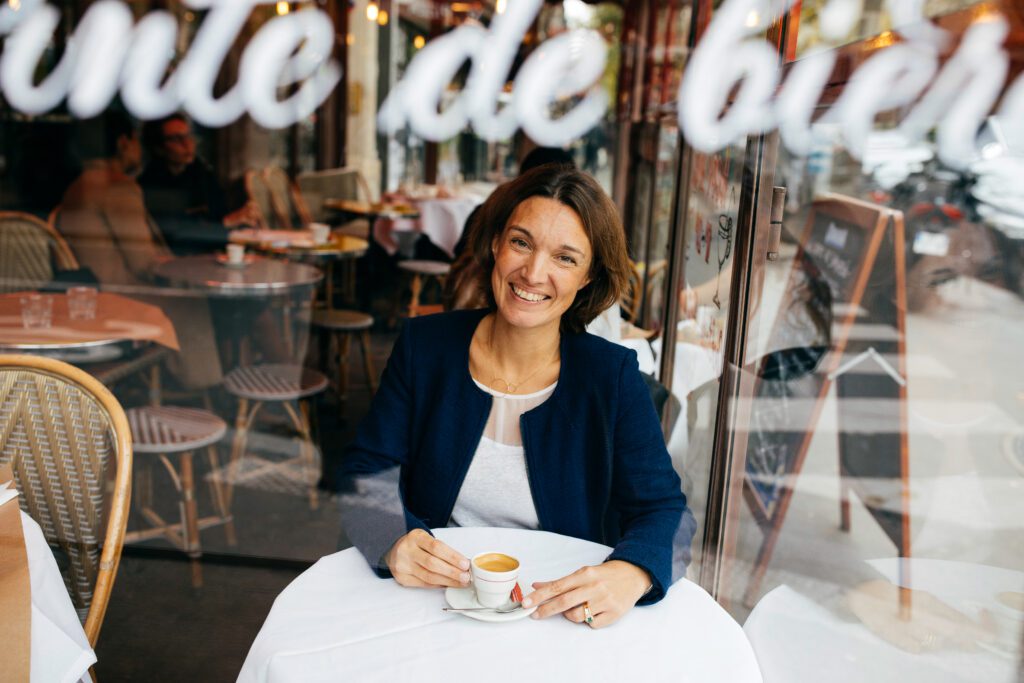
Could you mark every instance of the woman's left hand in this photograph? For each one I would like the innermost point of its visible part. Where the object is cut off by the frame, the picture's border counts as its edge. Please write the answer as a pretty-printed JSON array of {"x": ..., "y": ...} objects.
[{"x": 610, "y": 589}]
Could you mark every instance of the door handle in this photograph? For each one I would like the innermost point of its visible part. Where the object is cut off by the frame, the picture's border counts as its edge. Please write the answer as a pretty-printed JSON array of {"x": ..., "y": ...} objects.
[{"x": 775, "y": 224}]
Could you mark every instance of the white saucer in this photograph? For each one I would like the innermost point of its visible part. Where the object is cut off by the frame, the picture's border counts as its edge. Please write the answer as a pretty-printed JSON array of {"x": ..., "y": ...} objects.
[{"x": 461, "y": 598}]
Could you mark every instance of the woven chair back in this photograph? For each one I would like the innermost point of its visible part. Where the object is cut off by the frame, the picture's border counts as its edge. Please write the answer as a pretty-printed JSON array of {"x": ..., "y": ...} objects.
[
  {"x": 259, "y": 194},
  {"x": 69, "y": 444},
  {"x": 291, "y": 208},
  {"x": 29, "y": 251}
]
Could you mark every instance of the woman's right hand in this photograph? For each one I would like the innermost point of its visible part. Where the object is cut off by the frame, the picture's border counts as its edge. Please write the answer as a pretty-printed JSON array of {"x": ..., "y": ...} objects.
[{"x": 422, "y": 561}]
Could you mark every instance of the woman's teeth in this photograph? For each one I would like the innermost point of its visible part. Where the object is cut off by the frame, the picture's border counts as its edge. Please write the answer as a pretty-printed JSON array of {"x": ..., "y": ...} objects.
[{"x": 523, "y": 294}]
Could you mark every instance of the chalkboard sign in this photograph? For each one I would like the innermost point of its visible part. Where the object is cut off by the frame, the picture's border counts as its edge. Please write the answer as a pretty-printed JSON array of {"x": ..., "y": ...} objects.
[{"x": 850, "y": 263}]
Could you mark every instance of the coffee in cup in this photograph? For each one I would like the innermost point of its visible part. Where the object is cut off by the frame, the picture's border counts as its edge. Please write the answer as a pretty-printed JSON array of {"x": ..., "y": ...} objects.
[{"x": 494, "y": 577}]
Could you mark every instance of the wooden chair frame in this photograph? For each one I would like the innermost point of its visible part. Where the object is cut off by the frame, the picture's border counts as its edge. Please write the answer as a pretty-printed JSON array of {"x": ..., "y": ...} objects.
[
  {"x": 64, "y": 257},
  {"x": 117, "y": 517},
  {"x": 252, "y": 177},
  {"x": 272, "y": 175}
]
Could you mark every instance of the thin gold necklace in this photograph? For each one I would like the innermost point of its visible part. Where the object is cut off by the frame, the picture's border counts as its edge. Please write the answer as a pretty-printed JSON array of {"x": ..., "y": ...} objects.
[{"x": 512, "y": 387}]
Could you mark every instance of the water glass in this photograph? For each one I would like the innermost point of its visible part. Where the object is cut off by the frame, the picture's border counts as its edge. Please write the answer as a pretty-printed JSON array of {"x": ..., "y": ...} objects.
[
  {"x": 36, "y": 311},
  {"x": 82, "y": 303}
]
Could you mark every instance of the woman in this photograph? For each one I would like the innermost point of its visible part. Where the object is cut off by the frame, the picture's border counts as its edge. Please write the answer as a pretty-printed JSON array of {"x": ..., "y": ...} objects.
[{"x": 444, "y": 428}]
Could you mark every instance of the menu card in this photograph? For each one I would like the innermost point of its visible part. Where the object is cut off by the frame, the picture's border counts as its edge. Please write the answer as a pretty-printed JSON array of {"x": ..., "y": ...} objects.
[{"x": 15, "y": 598}]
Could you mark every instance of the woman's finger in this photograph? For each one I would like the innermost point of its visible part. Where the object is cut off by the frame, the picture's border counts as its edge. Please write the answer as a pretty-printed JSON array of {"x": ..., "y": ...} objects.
[
  {"x": 430, "y": 578},
  {"x": 436, "y": 565},
  {"x": 561, "y": 603},
  {"x": 442, "y": 550},
  {"x": 546, "y": 590}
]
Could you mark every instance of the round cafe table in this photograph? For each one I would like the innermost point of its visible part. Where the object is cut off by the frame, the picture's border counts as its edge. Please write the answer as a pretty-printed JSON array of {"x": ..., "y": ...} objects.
[
  {"x": 339, "y": 622},
  {"x": 298, "y": 245},
  {"x": 259, "y": 277}
]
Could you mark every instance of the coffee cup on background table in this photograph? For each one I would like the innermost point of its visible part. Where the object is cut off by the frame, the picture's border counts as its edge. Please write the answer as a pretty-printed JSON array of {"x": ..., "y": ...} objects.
[
  {"x": 321, "y": 233},
  {"x": 236, "y": 253},
  {"x": 494, "y": 577}
]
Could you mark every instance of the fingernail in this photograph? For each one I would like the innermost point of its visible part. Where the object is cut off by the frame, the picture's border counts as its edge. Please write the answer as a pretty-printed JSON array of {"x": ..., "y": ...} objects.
[
  {"x": 535, "y": 615},
  {"x": 464, "y": 578},
  {"x": 464, "y": 564},
  {"x": 527, "y": 602}
]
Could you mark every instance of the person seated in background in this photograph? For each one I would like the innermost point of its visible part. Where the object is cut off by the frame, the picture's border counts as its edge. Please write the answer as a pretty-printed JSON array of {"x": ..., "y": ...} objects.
[
  {"x": 183, "y": 193},
  {"x": 513, "y": 416},
  {"x": 103, "y": 218}
]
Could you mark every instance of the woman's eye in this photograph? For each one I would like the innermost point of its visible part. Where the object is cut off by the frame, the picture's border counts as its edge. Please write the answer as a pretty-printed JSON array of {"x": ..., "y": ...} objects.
[
  {"x": 567, "y": 260},
  {"x": 519, "y": 242}
]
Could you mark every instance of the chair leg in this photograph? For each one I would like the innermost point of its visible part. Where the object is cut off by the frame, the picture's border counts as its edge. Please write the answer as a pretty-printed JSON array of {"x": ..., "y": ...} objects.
[
  {"x": 190, "y": 518},
  {"x": 414, "y": 298},
  {"x": 307, "y": 455},
  {"x": 323, "y": 338},
  {"x": 237, "y": 447},
  {"x": 371, "y": 374},
  {"x": 219, "y": 498},
  {"x": 344, "y": 345}
]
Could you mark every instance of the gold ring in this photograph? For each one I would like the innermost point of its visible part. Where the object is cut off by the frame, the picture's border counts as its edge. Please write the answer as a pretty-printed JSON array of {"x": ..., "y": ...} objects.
[{"x": 587, "y": 615}]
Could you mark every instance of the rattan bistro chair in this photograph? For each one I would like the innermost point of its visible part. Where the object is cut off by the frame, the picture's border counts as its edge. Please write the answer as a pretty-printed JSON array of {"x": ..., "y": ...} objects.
[
  {"x": 29, "y": 251},
  {"x": 62, "y": 432},
  {"x": 288, "y": 202}
]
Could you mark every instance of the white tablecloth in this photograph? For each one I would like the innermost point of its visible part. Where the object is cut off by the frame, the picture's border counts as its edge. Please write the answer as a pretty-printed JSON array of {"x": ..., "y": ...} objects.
[
  {"x": 798, "y": 641},
  {"x": 339, "y": 622},
  {"x": 60, "y": 650},
  {"x": 441, "y": 220}
]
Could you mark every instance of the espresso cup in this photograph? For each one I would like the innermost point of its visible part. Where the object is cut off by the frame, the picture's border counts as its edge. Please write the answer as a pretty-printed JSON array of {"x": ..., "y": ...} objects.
[
  {"x": 236, "y": 253},
  {"x": 494, "y": 577},
  {"x": 321, "y": 233}
]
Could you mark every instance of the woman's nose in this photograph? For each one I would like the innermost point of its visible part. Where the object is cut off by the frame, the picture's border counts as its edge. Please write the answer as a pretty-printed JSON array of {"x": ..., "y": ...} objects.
[{"x": 535, "y": 269}]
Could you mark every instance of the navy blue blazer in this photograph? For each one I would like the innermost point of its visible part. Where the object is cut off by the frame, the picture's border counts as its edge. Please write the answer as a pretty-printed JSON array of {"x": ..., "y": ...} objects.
[{"x": 595, "y": 455}]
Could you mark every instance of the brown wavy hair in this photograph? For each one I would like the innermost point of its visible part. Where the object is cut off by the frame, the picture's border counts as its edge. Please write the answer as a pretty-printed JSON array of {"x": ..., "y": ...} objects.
[{"x": 609, "y": 267}]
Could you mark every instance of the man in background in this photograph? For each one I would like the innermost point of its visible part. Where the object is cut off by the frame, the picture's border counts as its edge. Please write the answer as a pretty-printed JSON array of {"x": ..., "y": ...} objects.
[
  {"x": 182, "y": 192},
  {"x": 103, "y": 218}
]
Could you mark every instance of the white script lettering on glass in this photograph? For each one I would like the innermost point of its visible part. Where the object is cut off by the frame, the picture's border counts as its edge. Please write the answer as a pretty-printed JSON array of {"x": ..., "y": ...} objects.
[
  {"x": 109, "y": 51},
  {"x": 568, "y": 64},
  {"x": 957, "y": 101}
]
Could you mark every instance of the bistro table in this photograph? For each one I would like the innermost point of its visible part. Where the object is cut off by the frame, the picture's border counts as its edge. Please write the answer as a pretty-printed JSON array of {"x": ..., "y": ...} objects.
[
  {"x": 45, "y": 619},
  {"x": 258, "y": 278},
  {"x": 118, "y": 320},
  {"x": 441, "y": 219},
  {"x": 339, "y": 622},
  {"x": 298, "y": 245}
]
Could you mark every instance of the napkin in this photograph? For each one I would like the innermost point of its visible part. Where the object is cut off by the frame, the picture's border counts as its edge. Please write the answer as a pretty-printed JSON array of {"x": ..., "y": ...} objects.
[{"x": 6, "y": 493}]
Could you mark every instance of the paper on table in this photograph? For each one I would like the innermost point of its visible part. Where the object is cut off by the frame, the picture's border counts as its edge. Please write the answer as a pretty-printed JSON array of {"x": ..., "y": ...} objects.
[{"x": 15, "y": 601}]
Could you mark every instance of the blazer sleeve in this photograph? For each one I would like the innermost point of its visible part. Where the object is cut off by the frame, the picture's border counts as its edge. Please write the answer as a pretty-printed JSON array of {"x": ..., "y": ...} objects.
[
  {"x": 646, "y": 490},
  {"x": 372, "y": 506}
]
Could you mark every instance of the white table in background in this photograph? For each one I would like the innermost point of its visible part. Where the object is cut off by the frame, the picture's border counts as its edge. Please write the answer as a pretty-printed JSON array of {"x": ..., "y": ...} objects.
[
  {"x": 800, "y": 641},
  {"x": 339, "y": 622},
  {"x": 60, "y": 650}
]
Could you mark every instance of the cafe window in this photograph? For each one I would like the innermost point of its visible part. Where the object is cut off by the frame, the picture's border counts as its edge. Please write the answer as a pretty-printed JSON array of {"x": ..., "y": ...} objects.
[{"x": 237, "y": 223}]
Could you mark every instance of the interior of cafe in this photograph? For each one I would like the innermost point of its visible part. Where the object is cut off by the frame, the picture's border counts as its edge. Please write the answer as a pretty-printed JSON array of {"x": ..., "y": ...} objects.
[{"x": 221, "y": 224}]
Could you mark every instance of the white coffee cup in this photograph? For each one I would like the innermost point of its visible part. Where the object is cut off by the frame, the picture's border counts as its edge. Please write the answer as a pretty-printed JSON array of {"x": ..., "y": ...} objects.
[
  {"x": 236, "y": 253},
  {"x": 321, "y": 233},
  {"x": 494, "y": 577}
]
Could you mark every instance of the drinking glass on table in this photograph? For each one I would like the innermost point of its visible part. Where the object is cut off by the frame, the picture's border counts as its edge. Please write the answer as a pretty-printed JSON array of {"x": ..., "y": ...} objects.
[
  {"x": 82, "y": 303},
  {"x": 36, "y": 311}
]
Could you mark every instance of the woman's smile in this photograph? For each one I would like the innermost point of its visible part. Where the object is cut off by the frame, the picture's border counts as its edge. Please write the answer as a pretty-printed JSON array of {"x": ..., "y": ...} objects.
[{"x": 528, "y": 296}]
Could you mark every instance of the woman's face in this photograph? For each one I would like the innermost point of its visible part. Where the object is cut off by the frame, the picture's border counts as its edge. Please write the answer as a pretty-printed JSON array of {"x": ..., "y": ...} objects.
[{"x": 541, "y": 259}]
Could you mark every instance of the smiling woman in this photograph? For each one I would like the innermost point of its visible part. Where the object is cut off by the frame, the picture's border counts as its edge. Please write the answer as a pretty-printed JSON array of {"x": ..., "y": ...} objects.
[{"x": 513, "y": 416}]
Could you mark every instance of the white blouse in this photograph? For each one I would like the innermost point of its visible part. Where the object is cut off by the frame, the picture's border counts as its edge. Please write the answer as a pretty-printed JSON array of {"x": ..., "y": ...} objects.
[{"x": 496, "y": 490}]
